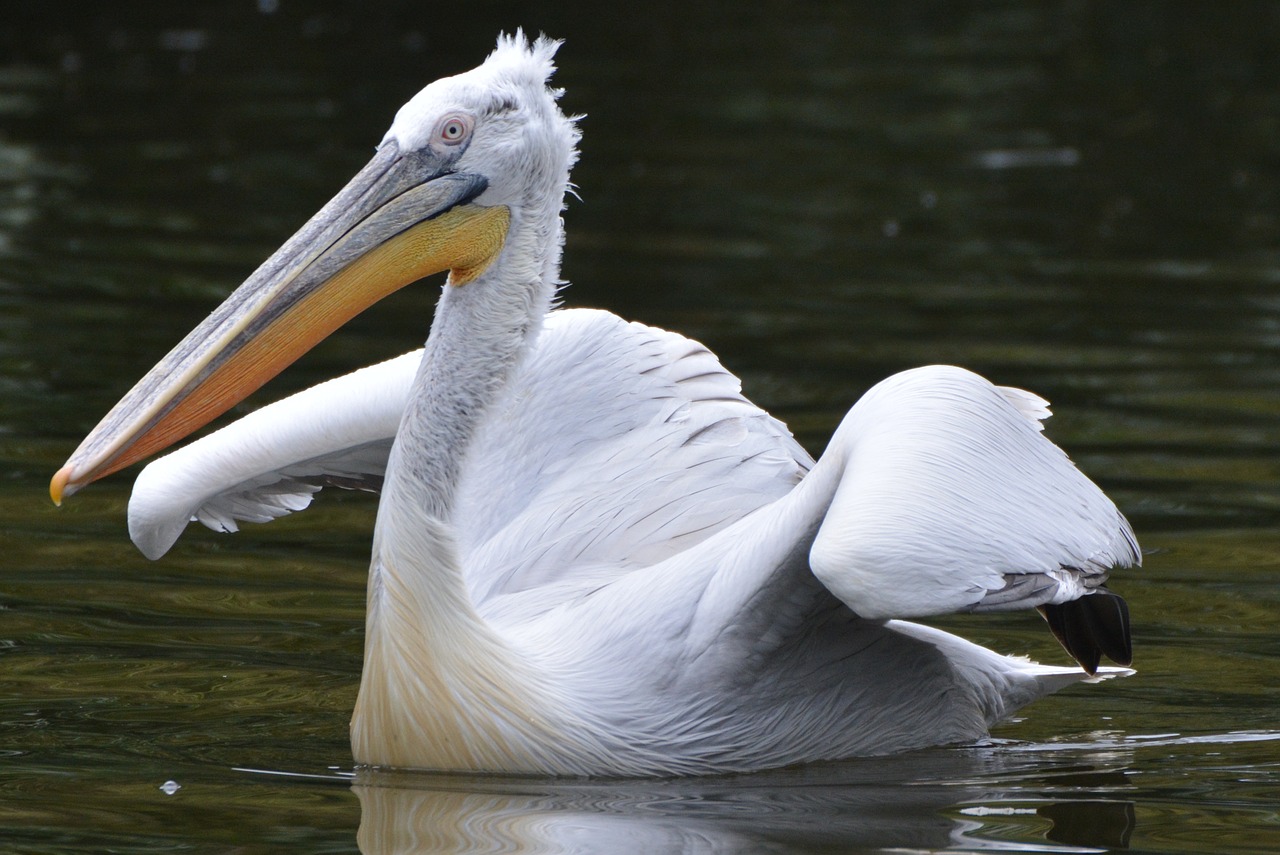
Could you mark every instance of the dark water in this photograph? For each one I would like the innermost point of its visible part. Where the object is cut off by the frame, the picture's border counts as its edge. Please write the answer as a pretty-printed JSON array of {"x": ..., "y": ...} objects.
[{"x": 1078, "y": 198}]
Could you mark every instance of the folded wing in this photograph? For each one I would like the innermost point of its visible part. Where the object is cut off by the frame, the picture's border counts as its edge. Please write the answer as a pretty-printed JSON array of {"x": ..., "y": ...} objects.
[{"x": 952, "y": 500}]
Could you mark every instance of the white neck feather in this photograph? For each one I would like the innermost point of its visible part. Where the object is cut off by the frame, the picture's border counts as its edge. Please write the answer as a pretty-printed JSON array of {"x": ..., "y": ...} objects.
[{"x": 441, "y": 689}]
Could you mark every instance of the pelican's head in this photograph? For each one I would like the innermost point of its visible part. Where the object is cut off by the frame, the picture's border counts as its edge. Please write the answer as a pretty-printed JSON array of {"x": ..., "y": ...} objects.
[
  {"x": 468, "y": 162},
  {"x": 499, "y": 120}
]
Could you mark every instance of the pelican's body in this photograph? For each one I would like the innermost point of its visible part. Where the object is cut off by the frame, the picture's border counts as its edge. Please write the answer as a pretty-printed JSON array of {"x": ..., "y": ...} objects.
[{"x": 593, "y": 555}]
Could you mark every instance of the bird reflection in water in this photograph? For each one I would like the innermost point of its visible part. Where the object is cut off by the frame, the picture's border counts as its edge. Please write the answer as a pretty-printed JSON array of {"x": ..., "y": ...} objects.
[{"x": 929, "y": 800}]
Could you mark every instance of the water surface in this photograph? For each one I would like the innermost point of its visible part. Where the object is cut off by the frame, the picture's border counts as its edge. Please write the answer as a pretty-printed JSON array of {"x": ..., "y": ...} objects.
[{"x": 1072, "y": 197}]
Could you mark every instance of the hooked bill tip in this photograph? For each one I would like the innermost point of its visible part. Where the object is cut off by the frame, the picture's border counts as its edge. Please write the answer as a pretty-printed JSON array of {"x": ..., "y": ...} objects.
[{"x": 59, "y": 484}]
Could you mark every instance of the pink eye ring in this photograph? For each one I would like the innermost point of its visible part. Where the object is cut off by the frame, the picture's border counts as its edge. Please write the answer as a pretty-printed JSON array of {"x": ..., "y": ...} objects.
[{"x": 453, "y": 130}]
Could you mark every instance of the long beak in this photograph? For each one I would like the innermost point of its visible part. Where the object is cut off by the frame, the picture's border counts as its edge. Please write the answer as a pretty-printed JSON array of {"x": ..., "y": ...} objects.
[{"x": 401, "y": 218}]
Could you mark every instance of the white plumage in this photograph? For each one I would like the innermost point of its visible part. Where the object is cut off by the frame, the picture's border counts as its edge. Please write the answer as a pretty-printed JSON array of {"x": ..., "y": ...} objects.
[{"x": 593, "y": 555}]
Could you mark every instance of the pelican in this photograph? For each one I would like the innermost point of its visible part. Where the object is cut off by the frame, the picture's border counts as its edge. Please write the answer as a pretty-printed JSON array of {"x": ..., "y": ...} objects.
[{"x": 593, "y": 555}]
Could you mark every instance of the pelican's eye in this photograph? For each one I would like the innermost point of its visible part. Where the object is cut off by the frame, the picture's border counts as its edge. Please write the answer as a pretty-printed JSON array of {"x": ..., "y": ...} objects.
[{"x": 453, "y": 130}]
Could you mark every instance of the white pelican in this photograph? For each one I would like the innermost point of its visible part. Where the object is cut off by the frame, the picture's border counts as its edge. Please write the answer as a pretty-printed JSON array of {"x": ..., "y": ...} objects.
[{"x": 593, "y": 555}]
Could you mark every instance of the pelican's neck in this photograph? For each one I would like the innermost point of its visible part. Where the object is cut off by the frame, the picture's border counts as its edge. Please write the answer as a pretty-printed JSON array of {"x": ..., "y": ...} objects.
[
  {"x": 441, "y": 688},
  {"x": 481, "y": 332}
]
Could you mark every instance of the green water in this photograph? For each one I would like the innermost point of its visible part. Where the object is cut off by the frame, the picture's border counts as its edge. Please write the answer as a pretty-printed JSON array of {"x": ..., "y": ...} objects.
[{"x": 1079, "y": 198}]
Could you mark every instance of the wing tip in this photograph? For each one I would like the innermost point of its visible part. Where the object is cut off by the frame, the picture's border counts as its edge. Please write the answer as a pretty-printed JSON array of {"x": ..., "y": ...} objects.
[{"x": 1092, "y": 626}]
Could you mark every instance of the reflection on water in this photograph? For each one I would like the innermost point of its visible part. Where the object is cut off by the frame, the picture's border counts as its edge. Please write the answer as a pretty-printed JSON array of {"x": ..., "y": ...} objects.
[
  {"x": 1066, "y": 798},
  {"x": 1078, "y": 198},
  {"x": 931, "y": 800}
]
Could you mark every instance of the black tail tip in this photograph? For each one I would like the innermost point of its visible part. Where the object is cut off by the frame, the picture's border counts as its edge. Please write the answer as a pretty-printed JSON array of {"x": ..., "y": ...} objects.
[{"x": 1095, "y": 625}]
